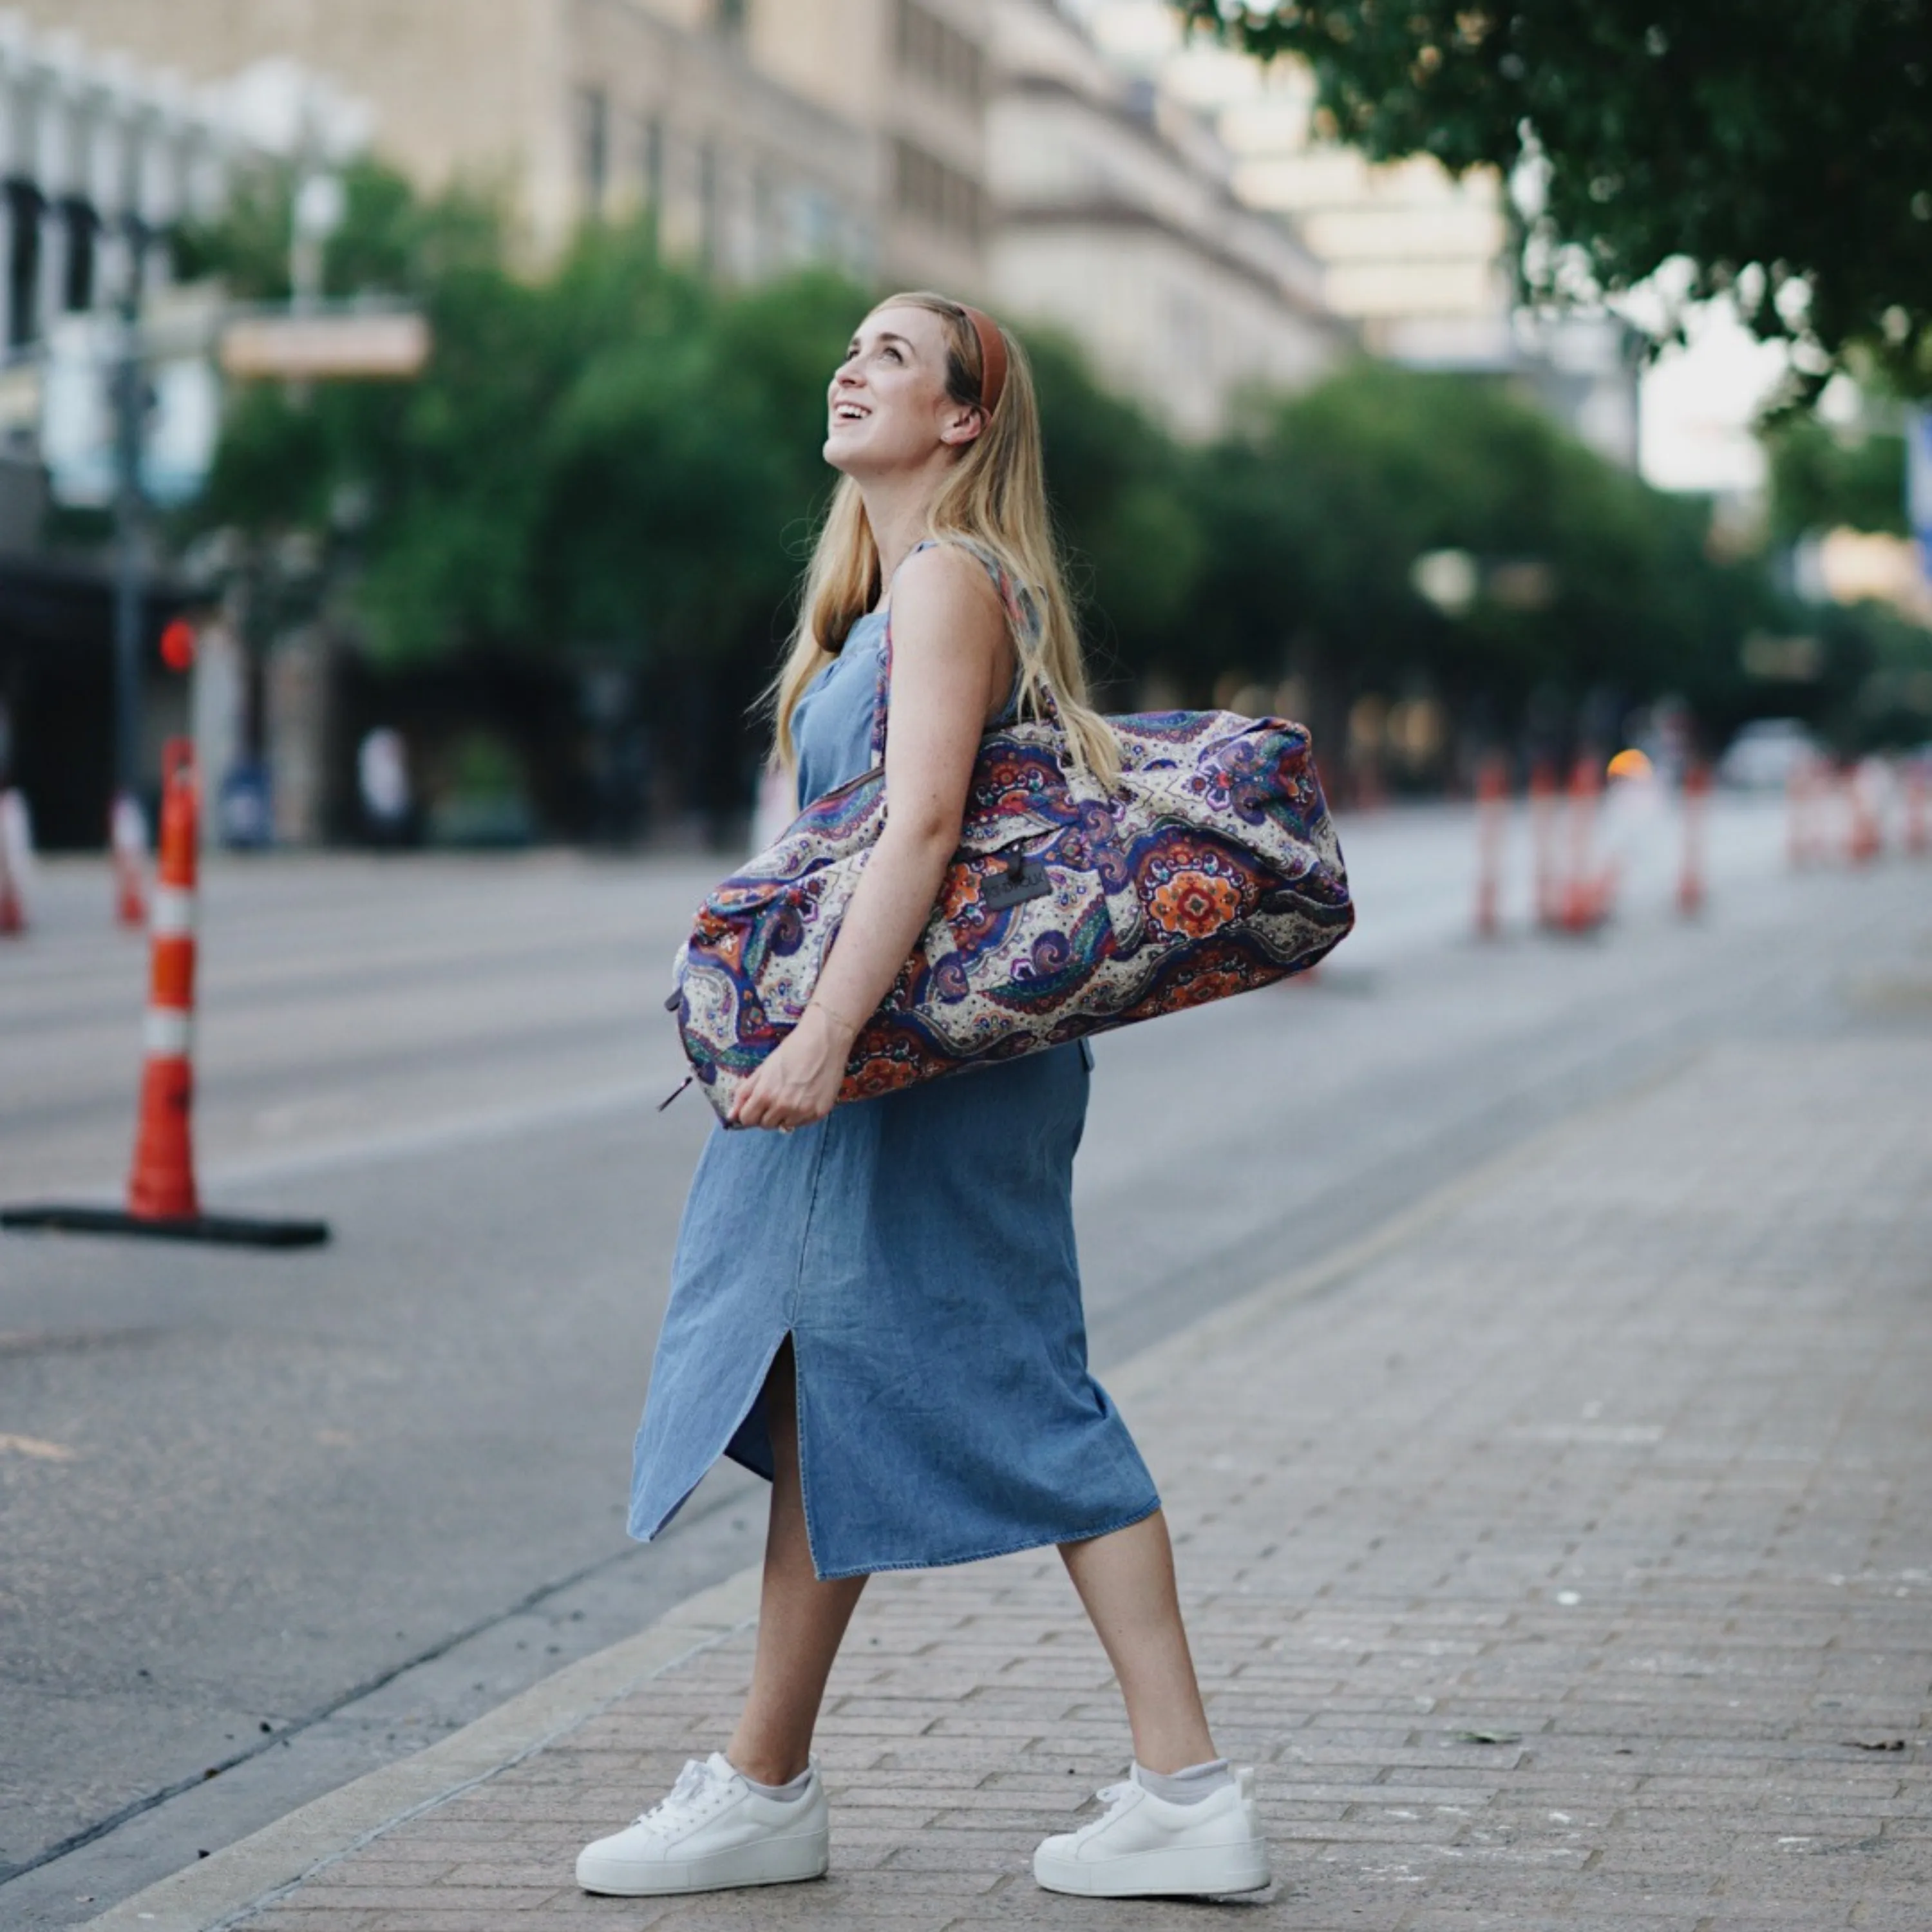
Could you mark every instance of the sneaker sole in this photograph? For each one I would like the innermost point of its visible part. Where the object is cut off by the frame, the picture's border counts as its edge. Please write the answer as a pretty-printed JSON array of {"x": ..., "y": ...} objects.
[
  {"x": 1204, "y": 1871},
  {"x": 770, "y": 1861}
]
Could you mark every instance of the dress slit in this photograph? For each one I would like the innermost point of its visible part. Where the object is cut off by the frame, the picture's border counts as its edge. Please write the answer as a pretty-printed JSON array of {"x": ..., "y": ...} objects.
[{"x": 747, "y": 1442}]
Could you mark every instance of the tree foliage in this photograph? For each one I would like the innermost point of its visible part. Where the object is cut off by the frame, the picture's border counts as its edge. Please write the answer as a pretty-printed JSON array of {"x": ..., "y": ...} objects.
[
  {"x": 1822, "y": 477},
  {"x": 617, "y": 460},
  {"x": 1786, "y": 150},
  {"x": 617, "y": 464},
  {"x": 1584, "y": 579}
]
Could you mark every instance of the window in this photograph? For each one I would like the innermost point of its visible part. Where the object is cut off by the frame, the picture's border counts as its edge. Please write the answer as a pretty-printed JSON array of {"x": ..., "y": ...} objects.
[
  {"x": 651, "y": 163},
  {"x": 593, "y": 147},
  {"x": 710, "y": 210},
  {"x": 82, "y": 227},
  {"x": 926, "y": 189},
  {"x": 937, "y": 53},
  {"x": 23, "y": 265}
]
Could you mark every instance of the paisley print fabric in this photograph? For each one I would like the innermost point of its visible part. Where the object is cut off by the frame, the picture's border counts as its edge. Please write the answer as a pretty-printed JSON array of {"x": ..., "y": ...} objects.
[{"x": 1212, "y": 868}]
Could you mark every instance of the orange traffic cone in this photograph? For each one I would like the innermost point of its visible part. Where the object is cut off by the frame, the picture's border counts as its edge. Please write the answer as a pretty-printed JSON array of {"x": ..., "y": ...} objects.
[
  {"x": 1543, "y": 841},
  {"x": 162, "y": 1184},
  {"x": 162, "y": 1198},
  {"x": 1585, "y": 901},
  {"x": 1917, "y": 836},
  {"x": 127, "y": 842},
  {"x": 15, "y": 844},
  {"x": 1491, "y": 802},
  {"x": 1864, "y": 836},
  {"x": 1798, "y": 828},
  {"x": 1697, "y": 803}
]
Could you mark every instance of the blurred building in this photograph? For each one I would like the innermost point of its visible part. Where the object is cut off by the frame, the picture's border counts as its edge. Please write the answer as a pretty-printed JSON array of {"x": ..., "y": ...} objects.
[
  {"x": 764, "y": 133},
  {"x": 1117, "y": 221},
  {"x": 915, "y": 75},
  {"x": 100, "y": 156},
  {"x": 1417, "y": 260}
]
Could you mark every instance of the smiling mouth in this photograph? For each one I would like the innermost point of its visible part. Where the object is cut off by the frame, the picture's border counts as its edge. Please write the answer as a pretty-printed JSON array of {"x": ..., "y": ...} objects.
[{"x": 848, "y": 413}]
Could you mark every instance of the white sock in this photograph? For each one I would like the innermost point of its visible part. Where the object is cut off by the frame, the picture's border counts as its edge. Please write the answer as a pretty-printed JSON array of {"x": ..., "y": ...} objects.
[
  {"x": 1189, "y": 1786},
  {"x": 784, "y": 1794}
]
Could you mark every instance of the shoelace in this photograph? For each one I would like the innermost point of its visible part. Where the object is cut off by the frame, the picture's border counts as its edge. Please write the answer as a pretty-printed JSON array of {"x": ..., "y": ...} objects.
[
  {"x": 1113, "y": 1796},
  {"x": 693, "y": 1782}
]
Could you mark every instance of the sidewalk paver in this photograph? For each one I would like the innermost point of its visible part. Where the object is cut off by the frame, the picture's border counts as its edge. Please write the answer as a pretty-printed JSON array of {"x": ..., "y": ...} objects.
[{"x": 1567, "y": 1563}]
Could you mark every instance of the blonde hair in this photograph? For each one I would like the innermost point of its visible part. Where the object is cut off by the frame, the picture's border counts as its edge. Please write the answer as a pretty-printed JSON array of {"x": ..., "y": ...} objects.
[{"x": 994, "y": 500}]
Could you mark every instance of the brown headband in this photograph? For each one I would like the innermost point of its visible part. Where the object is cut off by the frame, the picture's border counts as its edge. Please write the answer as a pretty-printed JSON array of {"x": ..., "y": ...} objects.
[{"x": 992, "y": 356}]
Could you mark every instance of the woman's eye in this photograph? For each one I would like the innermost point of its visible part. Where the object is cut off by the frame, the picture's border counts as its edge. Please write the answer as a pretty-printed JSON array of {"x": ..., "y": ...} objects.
[{"x": 893, "y": 353}]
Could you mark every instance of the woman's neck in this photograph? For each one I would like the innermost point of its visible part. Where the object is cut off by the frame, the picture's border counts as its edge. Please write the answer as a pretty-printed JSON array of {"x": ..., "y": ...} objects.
[{"x": 899, "y": 509}]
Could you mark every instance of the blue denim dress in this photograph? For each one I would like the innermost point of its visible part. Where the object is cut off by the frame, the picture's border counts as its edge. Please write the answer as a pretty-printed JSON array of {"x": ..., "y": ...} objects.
[{"x": 918, "y": 1249}]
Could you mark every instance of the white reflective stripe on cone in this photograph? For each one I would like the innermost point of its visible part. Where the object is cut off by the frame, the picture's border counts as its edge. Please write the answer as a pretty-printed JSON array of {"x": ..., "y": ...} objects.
[
  {"x": 167, "y": 1030},
  {"x": 174, "y": 912}
]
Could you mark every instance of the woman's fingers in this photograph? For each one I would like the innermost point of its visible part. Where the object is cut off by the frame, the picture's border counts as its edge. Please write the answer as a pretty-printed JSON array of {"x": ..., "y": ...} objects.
[
  {"x": 758, "y": 1107},
  {"x": 775, "y": 1097}
]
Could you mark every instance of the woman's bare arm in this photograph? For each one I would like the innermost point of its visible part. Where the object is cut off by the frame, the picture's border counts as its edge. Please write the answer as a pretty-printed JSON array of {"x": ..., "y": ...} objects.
[{"x": 952, "y": 660}]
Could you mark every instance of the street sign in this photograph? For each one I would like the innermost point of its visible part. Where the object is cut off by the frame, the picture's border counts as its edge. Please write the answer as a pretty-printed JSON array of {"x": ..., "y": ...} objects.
[
  {"x": 181, "y": 418},
  {"x": 314, "y": 348}
]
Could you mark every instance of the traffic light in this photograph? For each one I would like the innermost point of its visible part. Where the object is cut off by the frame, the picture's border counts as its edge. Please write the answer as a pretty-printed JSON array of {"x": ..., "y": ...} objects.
[{"x": 178, "y": 641}]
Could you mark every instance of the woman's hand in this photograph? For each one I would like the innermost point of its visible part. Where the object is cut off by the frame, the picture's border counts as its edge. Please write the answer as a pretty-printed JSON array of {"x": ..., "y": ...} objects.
[
  {"x": 799, "y": 1083},
  {"x": 952, "y": 660}
]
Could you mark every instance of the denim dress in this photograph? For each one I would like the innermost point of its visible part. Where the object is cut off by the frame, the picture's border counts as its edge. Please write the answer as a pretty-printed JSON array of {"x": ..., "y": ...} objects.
[{"x": 918, "y": 1249}]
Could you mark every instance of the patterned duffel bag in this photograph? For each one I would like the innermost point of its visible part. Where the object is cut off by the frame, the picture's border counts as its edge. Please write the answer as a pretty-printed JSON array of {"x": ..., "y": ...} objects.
[{"x": 1211, "y": 867}]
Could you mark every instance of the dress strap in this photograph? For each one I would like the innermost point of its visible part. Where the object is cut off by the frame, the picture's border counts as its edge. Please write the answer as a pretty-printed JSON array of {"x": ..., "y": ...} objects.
[{"x": 1024, "y": 621}]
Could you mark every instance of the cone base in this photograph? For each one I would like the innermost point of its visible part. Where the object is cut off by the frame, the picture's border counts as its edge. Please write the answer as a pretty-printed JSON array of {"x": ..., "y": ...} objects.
[{"x": 233, "y": 1231}]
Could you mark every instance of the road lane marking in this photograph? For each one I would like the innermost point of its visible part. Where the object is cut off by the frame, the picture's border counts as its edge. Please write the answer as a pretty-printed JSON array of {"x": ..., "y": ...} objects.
[
  {"x": 438, "y": 1136},
  {"x": 41, "y": 1451}
]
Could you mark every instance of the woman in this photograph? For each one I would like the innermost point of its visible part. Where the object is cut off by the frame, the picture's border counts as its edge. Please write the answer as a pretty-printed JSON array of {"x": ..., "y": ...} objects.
[{"x": 878, "y": 1308}]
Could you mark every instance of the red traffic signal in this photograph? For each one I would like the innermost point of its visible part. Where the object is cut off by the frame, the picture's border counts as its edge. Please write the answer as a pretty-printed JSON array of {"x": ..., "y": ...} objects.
[{"x": 178, "y": 642}]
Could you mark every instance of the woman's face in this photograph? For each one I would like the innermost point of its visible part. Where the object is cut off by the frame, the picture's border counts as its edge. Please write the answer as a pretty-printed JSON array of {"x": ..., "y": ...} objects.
[{"x": 888, "y": 406}]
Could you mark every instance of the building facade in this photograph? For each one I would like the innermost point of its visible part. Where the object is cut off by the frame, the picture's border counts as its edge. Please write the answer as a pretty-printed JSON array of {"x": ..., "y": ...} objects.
[
  {"x": 100, "y": 158},
  {"x": 1116, "y": 221},
  {"x": 570, "y": 109},
  {"x": 763, "y": 132},
  {"x": 97, "y": 160},
  {"x": 916, "y": 75},
  {"x": 1419, "y": 262}
]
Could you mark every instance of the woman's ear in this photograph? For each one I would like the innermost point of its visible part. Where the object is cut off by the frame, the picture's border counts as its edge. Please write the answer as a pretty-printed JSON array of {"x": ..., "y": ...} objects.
[{"x": 964, "y": 425}]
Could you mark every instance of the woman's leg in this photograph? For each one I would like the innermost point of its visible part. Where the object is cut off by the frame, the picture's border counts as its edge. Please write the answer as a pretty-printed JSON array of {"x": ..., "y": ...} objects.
[
  {"x": 1126, "y": 1580},
  {"x": 801, "y": 1621}
]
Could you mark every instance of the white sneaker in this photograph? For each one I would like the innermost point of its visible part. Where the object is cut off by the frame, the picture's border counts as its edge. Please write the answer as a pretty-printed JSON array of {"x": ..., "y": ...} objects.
[
  {"x": 1143, "y": 1847},
  {"x": 711, "y": 1832}
]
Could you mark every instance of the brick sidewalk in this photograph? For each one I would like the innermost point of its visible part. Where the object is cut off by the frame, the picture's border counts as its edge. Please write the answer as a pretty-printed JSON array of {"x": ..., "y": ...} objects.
[{"x": 1568, "y": 1563}]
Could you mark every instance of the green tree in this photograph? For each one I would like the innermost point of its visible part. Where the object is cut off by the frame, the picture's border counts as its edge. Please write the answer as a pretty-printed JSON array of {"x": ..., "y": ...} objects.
[
  {"x": 1122, "y": 502},
  {"x": 618, "y": 464},
  {"x": 1584, "y": 578},
  {"x": 1822, "y": 477},
  {"x": 1792, "y": 141},
  {"x": 618, "y": 453},
  {"x": 391, "y": 240},
  {"x": 604, "y": 462}
]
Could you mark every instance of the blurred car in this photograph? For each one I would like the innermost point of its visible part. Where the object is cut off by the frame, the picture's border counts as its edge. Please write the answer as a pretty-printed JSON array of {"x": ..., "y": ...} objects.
[{"x": 1764, "y": 753}]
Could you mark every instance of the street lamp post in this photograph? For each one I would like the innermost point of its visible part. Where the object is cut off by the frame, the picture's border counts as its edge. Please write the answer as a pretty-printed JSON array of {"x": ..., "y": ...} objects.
[{"x": 128, "y": 392}]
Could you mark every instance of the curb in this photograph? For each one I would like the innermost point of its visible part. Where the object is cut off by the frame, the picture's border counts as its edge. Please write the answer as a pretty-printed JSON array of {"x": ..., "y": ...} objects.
[
  {"x": 233, "y": 1883},
  {"x": 220, "y": 1892}
]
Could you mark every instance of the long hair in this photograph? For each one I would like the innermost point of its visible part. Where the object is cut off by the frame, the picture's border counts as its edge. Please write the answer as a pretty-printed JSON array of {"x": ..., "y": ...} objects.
[{"x": 994, "y": 498}]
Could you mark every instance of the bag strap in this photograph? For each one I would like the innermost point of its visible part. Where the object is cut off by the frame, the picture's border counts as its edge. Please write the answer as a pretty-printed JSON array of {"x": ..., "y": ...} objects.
[{"x": 1023, "y": 619}]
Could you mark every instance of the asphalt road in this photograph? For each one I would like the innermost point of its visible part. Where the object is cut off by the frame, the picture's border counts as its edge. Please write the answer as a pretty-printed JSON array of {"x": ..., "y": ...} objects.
[{"x": 283, "y": 1516}]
